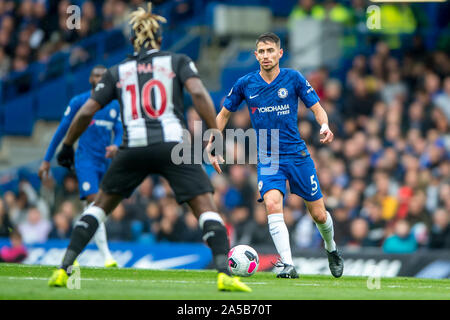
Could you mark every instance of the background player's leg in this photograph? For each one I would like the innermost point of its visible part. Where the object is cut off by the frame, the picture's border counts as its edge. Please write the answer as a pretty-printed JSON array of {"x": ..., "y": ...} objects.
[
  {"x": 273, "y": 200},
  {"x": 100, "y": 237},
  {"x": 86, "y": 227},
  {"x": 323, "y": 221},
  {"x": 213, "y": 228}
]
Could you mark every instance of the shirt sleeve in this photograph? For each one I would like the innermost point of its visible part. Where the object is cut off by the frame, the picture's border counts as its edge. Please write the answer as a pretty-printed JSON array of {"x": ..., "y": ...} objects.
[
  {"x": 118, "y": 131},
  {"x": 305, "y": 91},
  {"x": 235, "y": 97},
  {"x": 69, "y": 114},
  {"x": 186, "y": 68},
  {"x": 105, "y": 91}
]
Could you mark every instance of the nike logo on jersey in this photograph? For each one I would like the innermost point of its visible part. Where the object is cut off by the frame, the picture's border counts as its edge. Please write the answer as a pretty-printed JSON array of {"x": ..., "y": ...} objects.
[
  {"x": 313, "y": 193},
  {"x": 251, "y": 97}
]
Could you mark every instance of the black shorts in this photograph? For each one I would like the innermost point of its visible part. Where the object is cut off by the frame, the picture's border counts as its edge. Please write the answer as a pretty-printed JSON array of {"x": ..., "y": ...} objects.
[{"x": 131, "y": 166}]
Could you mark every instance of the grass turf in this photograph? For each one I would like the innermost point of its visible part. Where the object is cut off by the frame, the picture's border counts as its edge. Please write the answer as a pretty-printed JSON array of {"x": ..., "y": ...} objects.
[{"x": 30, "y": 282}]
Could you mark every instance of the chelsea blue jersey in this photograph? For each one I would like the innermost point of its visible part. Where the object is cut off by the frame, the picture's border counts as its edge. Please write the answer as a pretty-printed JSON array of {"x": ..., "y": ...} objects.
[
  {"x": 274, "y": 106},
  {"x": 98, "y": 135}
]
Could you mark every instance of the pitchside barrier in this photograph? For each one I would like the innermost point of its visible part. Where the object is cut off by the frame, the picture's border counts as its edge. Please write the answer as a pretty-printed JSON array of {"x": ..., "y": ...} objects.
[{"x": 370, "y": 262}]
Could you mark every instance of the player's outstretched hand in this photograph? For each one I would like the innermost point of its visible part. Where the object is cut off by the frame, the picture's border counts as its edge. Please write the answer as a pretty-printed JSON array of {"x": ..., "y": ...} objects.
[
  {"x": 111, "y": 151},
  {"x": 43, "y": 170},
  {"x": 214, "y": 159},
  {"x": 66, "y": 156},
  {"x": 329, "y": 136}
]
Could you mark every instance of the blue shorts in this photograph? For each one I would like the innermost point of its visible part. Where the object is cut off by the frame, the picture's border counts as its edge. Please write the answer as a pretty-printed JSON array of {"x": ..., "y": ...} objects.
[
  {"x": 89, "y": 174},
  {"x": 299, "y": 171}
]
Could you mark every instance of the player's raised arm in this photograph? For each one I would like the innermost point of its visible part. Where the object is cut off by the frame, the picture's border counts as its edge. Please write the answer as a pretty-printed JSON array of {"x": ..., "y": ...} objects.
[
  {"x": 222, "y": 118},
  {"x": 322, "y": 119}
]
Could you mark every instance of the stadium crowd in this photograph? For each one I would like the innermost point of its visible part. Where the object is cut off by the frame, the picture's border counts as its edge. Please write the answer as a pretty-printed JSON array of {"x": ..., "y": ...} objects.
[
  {"x": 33, "y": 30},
  {"x": 385, "y": 177}
]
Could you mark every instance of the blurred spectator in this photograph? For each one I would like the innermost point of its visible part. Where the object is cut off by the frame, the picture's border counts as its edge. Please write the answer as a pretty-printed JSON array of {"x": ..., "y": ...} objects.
[
  {"x": 89, "y": 14},
  {"x": 35, "y": 229},
  {"x": 373, "y": 213},
  {"x": 442, "y": 99},
  {"x": 359, "y": 231},
  {"x": 191, "y": 231},
  {"x": 342, "y": 224},
  {"x": 360, "y": 101},
  {"x": 5, "y": 224},
  {"x": 440, "y": 231},
  {"x": 17, "y": 206},
  {"x": 257, "y": 233},
  {"x": 62, "y": 227},
  {"x": 239, "y": 218},
  {"x": 402, "y": 241},
  {"x": 5, "y": 62},
  {"x": 117, "y": 226},
  {"x": 153, "y": 213},
  {"x": 15, "y": 253},
  {"x": 69, "y": 192},
  {"x": 240, "y": 192},
  {"x": 171, "y": 226},
  {"x": 136, "y": 205}
]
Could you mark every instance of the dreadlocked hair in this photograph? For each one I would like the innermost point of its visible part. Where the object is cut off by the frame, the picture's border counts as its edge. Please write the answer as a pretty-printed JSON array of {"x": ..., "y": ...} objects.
[{"x": 145, "y": 25}]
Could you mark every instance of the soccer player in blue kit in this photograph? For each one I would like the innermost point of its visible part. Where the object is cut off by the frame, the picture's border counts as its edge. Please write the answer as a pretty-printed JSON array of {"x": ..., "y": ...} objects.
[
  {"x": 94, "y": 151},
  {"x": 272, "y": 97}
]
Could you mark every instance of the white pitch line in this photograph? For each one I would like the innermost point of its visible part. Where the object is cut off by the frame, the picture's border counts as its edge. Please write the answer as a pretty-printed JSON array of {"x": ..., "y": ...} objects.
[
  {"x": 194, "y": 281},
  {"x": 124, "y": 280}
]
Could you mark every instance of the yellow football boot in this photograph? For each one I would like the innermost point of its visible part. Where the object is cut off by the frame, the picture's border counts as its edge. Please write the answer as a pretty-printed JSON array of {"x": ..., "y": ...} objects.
[
  {"x": 111, "y": 263},
  {"x": 58, "y": 278},
  {"x": 230, "y": 283}
]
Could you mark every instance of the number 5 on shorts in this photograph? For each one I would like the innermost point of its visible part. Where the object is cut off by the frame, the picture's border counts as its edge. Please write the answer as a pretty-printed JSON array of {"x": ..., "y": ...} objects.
[{"x": 313, "y": 183}]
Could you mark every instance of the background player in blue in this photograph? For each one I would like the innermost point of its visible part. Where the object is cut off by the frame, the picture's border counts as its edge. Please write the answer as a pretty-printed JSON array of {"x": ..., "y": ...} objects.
[
  {"x": 272, "y": 96},
  {"x": 94, "y": 152}
]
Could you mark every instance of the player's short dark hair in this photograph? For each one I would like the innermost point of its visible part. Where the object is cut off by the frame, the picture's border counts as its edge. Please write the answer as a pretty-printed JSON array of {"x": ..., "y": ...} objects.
[
  {"x": 268, "y": 37},
  {"x": 98, "y": 66}
]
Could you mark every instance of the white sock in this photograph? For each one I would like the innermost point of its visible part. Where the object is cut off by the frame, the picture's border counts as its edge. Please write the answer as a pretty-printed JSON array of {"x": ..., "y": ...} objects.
[
  {"x": 327, "y": 232},
  {"x": 100, "y": 234},
  {"x": 101, "y": 242},
  {"x": 280, "y": 236}
]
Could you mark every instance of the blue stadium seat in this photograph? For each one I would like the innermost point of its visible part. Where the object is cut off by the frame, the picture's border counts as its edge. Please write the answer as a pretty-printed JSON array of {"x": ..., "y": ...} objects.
[
  {"x": 19, "y": 115},
  {"x": 57, "y": 65},
  {"x": 282, "y": 8},
  {"x": 116, "y": 57},
  {"x": 80, "y": 80},
  {"x": 217, "y": 97},
  {"x": 114, "y": 40},
  {"x": 52, "y": 99}
]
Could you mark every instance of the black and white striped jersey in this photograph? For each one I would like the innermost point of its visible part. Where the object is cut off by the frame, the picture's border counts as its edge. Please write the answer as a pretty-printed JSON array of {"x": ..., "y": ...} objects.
[{"x": 149, "y": 88}]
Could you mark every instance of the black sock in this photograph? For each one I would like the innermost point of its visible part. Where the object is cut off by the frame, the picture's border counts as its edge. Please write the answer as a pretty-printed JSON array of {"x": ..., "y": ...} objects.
[
  {"x": 215, "y": 235},
  {"x": 83, "y": 232}
]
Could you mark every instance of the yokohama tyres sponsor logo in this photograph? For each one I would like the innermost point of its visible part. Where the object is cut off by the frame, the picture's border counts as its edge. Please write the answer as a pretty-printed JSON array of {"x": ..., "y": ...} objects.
[{"x": 281, "y": 109}]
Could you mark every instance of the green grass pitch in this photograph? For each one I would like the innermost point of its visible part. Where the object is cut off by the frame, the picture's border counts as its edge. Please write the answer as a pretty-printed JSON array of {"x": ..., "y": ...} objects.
[{"x": 30, "y": 282}]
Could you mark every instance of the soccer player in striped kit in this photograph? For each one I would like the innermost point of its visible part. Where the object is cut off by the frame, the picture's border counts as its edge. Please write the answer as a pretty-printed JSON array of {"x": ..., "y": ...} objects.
[{"x": 149, "y": 87}]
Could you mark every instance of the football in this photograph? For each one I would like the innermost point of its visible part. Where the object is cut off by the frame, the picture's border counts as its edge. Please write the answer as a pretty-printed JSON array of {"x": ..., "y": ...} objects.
[{"x": 243, "y": 261}]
